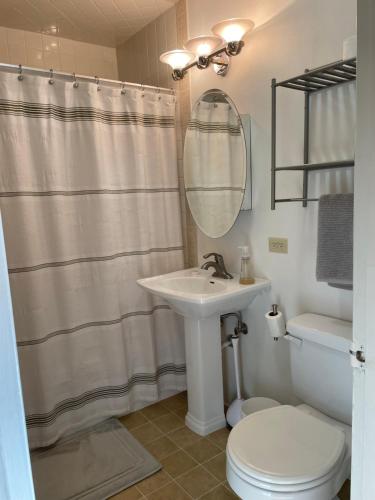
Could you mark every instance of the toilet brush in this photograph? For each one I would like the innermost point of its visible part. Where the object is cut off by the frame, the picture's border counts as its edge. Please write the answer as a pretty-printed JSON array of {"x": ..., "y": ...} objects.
[{"x": 234, "y": 411}]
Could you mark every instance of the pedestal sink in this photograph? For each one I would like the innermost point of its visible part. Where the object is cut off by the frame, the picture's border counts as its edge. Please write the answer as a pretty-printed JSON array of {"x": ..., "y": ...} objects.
[{"x": 201, "y": 299}]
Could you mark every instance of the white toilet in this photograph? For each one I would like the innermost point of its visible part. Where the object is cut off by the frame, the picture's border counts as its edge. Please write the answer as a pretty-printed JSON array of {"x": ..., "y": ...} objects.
[{"x": 302, "y": 452}]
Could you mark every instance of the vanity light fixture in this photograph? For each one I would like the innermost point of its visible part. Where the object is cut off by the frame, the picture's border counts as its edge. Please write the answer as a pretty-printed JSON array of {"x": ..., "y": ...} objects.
[{"x": 227, "y": 41}]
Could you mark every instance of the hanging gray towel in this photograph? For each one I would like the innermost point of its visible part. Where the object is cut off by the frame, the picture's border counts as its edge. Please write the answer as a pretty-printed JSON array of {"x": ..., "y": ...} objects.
[{"x": 335, "y": 240}]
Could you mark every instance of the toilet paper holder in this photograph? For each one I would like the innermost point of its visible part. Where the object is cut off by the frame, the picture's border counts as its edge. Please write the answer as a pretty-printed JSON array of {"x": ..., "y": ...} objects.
[{"x": 277, "y": 327}]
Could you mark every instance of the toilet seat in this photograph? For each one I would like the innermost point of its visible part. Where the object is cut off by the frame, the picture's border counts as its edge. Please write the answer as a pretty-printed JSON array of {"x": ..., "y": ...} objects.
[{"x": 285, "y": 449}]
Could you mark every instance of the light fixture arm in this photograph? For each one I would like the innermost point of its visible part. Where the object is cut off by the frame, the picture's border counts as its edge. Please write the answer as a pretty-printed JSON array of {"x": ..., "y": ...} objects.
[
  {"x": 234, "y": 48},
  {"x": 203, "y": 62},
  {"x": 231, "y": 49},
  {"x": 178, "y": 74}
]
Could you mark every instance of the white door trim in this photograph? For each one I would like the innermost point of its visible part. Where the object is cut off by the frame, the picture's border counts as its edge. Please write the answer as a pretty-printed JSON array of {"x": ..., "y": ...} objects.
[
  {"x": 363, "y": 454},
  {"x": 16, "y": 481}
]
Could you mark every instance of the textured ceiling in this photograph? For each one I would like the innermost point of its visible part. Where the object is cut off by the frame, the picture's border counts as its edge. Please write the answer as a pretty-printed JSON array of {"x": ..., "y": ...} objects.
[{"x": 104, "y": 22}]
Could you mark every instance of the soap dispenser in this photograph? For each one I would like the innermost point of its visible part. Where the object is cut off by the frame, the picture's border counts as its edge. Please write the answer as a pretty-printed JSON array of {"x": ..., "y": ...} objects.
[{"x": 245, "y": 276}]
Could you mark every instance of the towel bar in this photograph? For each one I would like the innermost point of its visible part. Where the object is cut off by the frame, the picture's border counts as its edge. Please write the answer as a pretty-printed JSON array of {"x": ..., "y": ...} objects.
[
  {"x": 318, "y": 166},
  {"x": 287, "y": 200}
]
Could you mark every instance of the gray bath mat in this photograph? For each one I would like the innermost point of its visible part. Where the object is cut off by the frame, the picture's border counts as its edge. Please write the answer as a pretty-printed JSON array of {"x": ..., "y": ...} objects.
[{"x": 92, "y": 464}]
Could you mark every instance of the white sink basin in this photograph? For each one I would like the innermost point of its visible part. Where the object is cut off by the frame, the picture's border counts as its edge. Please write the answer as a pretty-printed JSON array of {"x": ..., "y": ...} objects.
[
  {"x": 194, "y": 293},
  {"x": 201, "y": 299},
  {"x": 194, "y": 285}
]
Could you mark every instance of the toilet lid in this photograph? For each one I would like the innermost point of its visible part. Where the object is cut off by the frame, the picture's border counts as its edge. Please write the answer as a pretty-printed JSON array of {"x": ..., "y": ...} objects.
[{"x": 284, "y": 445}]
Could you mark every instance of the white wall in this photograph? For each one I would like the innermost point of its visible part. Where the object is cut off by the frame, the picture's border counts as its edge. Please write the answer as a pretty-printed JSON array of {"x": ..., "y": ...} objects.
[{"x": 290, "y": 35}]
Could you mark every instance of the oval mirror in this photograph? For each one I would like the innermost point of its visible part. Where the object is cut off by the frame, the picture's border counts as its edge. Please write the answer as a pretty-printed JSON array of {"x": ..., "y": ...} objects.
[{"x": 215, "y": 163}]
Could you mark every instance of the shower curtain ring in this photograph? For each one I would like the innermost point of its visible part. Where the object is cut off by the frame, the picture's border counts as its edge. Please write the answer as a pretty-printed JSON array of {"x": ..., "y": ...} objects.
[
  {"x": 51, "y": 81},
  {"x": 20, "y": 75},
  {"x": 123, "y": 89},
  {"x": 75, "y": 83},
  {"x": 143, "y": 91},
  {"x": 97, "y": 84}
]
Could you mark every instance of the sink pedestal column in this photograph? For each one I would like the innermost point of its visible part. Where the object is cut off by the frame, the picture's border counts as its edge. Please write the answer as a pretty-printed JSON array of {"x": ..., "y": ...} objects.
[{"x": 204, "y": 375}]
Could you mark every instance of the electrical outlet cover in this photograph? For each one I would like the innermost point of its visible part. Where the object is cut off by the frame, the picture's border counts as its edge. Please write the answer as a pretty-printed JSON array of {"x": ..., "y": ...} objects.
[{"x": 278, "y": 245}]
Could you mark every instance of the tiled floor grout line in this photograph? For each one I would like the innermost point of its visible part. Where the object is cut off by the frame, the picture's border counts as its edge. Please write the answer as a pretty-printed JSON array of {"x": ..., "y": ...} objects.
[
  {"x": 173, "y": 480},
  {"x": 212, "y": 489},
  {"x": 149, "y": 420},
  {"x": 179, "y": 448},
  {"x": 179, "y": 485},
  {"x": 198, "y": 464},
  {"x": 167, "y": 434}
]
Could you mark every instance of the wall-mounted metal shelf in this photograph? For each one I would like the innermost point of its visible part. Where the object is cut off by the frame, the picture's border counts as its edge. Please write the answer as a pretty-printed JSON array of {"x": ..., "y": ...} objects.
[{"x": 309, "y": 82}]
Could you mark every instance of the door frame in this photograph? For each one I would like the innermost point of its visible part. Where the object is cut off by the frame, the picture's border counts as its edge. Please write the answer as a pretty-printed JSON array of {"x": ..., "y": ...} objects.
[
  {"x": 363, "y": 439},
  {"x": 16, "y": 480}
]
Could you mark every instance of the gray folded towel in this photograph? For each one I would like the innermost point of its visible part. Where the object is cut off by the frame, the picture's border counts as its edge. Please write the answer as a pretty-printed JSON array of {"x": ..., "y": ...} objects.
[{"x": 335, "y": 240}]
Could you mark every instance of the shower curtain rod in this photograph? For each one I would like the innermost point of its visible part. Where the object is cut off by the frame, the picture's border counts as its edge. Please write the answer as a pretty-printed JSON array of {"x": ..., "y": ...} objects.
[{"x": 20, "y": 69}]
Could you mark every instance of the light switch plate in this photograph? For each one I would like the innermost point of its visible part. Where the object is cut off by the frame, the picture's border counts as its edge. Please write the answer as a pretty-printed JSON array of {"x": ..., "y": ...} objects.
[{"x": 278, "y": 245}]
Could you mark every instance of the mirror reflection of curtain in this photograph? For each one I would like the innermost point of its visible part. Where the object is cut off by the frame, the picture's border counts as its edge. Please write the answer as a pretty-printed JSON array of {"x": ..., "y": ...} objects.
[
  {"x": 214, "y": 161},
  {"x": 90, "y": 203}
]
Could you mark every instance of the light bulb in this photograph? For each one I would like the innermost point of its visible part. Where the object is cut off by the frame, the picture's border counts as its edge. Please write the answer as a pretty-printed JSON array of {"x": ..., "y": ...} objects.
[
  {"x": 203, "y": 45},
  {"x": 233, "y": 30},
  {"x": 177, "y": 59}
]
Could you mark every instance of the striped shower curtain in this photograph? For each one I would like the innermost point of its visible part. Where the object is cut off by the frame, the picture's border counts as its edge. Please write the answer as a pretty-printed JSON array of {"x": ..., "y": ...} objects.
[{"x": 90, "y": 203}]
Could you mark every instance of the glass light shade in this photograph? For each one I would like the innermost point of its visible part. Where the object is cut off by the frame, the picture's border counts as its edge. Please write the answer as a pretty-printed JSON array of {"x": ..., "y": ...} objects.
[
  {"x": 177, "y": 59},
  {"x": 203, "y": 45},
  {"x": 233, "y": 30}
]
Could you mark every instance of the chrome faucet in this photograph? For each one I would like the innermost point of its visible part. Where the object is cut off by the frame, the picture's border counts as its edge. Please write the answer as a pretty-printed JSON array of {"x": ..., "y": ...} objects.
[{"x": 218, "y": 265}]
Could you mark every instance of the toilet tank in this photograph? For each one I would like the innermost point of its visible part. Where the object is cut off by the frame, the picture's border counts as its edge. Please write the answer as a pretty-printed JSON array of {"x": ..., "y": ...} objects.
[{"x": 320, "y": 364}]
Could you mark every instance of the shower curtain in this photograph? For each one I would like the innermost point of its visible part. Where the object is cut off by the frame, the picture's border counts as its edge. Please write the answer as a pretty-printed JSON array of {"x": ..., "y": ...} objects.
[{"x": 90, "y": 203}]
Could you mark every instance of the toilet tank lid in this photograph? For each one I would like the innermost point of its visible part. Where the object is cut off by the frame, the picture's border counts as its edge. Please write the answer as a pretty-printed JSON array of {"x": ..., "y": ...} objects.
[{"x": 324, "y": 330}]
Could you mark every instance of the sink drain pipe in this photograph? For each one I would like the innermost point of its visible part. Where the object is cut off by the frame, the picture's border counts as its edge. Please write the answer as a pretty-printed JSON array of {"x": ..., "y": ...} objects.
[{"x": 234, "y": 411}]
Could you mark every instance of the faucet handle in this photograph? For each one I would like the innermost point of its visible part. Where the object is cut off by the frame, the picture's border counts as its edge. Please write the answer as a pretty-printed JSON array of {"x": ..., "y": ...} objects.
[
  {"x": 216, "y": 256},
  {"x": 220, "y": 271}
]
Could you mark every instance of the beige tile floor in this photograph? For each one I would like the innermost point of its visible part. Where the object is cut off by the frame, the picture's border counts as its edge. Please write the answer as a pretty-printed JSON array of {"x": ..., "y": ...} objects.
[{"x": 193, "y": 467}]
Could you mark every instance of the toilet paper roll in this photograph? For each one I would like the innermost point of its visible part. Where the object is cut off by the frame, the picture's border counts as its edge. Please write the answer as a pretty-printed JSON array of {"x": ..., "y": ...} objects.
[{"x": 276, "y": 324}]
